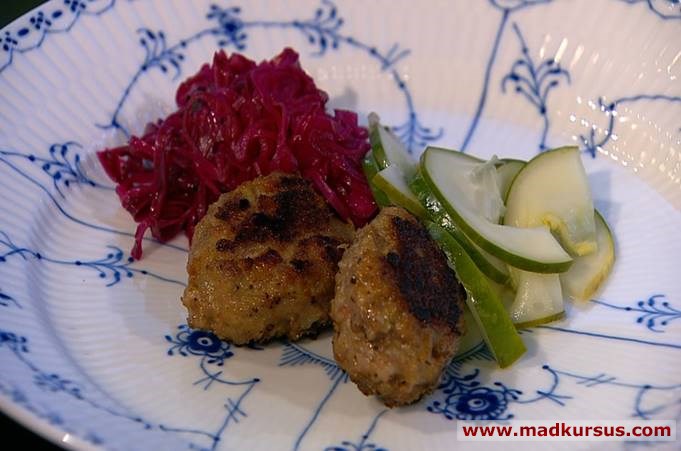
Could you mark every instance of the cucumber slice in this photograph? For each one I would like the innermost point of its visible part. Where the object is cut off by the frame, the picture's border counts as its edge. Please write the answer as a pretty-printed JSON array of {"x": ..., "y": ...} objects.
[
  {"x": 552, "y": 190},
  {"x": 507, "y": 171},
  {"x": 370, "y": 170},
  {"x": 587, "y": 273},
  {"x": 449, "y": 176},
  {"x": 387, "y": 148},
  {"x": 482, "y": 180},
  {"x": 391, "y": 181},
  {"x": 506, "y": 293},
  {"x": 491, "y": 266},
  {"x": 538, "y": 299},
  {"x": 472, "y": 338},
  {"x": 484, "y": 304}
]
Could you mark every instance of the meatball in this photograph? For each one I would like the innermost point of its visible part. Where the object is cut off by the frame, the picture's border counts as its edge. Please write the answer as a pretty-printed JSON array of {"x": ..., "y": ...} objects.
[
  {"x": 262, "y": 262},
  {"x": 398, "y": 310}
]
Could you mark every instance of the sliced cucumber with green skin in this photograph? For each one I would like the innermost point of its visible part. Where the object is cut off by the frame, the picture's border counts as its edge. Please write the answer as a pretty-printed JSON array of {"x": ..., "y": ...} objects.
[
  {"x": 448, "y": 176},
  {"x": 498, "y": 270},
  {"x": 466, "y": 156},
  {"x": 480, "y": 180},
  {"x": 505, "y": 292},
  {"x": 370, "y": 170},
  {"x": 392, "y": 182},
  {"x": 507, "y": 171},
  {"x": 488, "y": 264},
  {"x": 388, "y": 149},
  {"x": 538, "y": 299},
  {"x": 485, "y": 306},
  {"x": 587, "y": 273},
  {"x": 553, "y": 190},
  {"x": 471, "y": 338}
]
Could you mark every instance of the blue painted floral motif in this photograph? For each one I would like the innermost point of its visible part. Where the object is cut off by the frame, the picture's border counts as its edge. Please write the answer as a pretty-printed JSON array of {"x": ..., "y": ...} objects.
[
  {"x": 515, "y": 5},
  {"x": 212, "y": 352},
  {"x": 38, "y": 22},
  {"x": 364, "y": 444},
  {"x": 26, "y": 37},
  {"x": 112, "y": 267},
  {"x": 640, "y": 402},
  {"x": 63, "y": 165},
  {"x": 294, "y": 355},
  {"x": 70, "y": 171},
  {"x": 186, "y": 342},
  {"x": 591, "y": 144},
  {"x": 8, "y": 42},
  {"x": 655, "y": 313},
  {"x": 466, "y": 399},
  {"x": 6, "y": 300},
  {"x": 54, "y": 383},
  {"x": 507, "y": 8},
  {"x": 535, "y": 82},
  {"x": 157, "y": 53},
  {"x": 230, "y": 24},
  {"x": 464, "y": 394},
  {"x": 416, "y": 135},
  {"x": 18, "y": 397},
  {"x": 636, "y": 340},
  {"x": 664, "y": 9},
  {"x": 323, "y": 31},
  {"x": 201, "y": 343},
  {"x": 480, "y": 403},
  {"x": 16, "y": 343}
]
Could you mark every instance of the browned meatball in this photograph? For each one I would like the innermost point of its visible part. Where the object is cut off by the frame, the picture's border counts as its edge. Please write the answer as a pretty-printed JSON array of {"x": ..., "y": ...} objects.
[
  {"x": 263, "y": 260},
  {"x": 397, "y": 311}
]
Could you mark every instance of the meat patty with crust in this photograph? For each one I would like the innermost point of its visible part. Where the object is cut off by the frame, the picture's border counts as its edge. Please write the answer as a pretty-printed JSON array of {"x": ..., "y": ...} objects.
[
  {"x": 397, "y": 311},
  {"x": 263, "y": 260}
]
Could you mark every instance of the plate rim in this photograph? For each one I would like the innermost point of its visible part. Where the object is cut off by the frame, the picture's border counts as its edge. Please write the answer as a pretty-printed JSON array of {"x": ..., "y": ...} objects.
[{"x": 21, "y": 414}]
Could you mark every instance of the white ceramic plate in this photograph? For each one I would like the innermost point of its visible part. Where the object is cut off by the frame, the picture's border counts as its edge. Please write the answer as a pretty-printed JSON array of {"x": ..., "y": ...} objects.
[{"x": 93, "y": 346}]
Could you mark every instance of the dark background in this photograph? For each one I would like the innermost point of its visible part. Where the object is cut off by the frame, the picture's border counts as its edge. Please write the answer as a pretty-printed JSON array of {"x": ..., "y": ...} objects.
[
  {"x": 11, "y": 9},
  {"x": 10, "y": 431}
]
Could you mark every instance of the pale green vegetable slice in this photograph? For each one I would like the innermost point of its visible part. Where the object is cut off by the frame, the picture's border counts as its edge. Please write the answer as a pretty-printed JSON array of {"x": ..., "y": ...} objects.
[
  {"x": 473, "y": 181},
  {"x": 370, "y": 170},
  {"x": 450, "y": 176},
  {"x": 485, "y": 306},
  {"x": 498, "y": 270},
  {"x": 553, "y": 190},
  {"x": 471, "y": 338},
  {"x": 506, "y": 293},
  {"x": 538, "y": 299},
  {"x": 388, "y": 149},
  {"x": 491, "y": 266},
  {"x": 507, "y": 170},
  {"x": 587, "y": 273},
  {"x": 392, "y": 182}
]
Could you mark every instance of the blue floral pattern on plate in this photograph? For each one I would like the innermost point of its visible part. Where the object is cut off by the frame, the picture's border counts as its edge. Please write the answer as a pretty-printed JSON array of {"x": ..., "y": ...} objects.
[{"x": 468, "y": 389}]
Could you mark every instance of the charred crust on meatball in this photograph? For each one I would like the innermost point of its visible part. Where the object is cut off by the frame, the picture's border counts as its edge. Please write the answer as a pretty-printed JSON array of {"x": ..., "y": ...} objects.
[
  {"x": 289, "y": 213},
  {"x": 224, "y": 245},
  {"x": 299, "y": 265},
  {"x": 263, "y": 261},
  {"x": 293, "y": 182},
  {"x": 229, "y": 209},
  {"x": 425, "y": 281},
  {"x": 244, "y": 204},
  {"x": 331, "y": 249}
]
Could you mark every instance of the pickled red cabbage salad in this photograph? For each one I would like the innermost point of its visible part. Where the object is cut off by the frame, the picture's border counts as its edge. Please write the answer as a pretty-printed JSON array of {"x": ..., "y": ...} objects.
[{"x": 237, "y": 120}]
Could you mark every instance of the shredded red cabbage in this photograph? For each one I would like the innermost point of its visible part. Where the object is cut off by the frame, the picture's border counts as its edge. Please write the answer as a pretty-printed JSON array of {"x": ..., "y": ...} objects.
[{"x": 237, "y": 120}]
